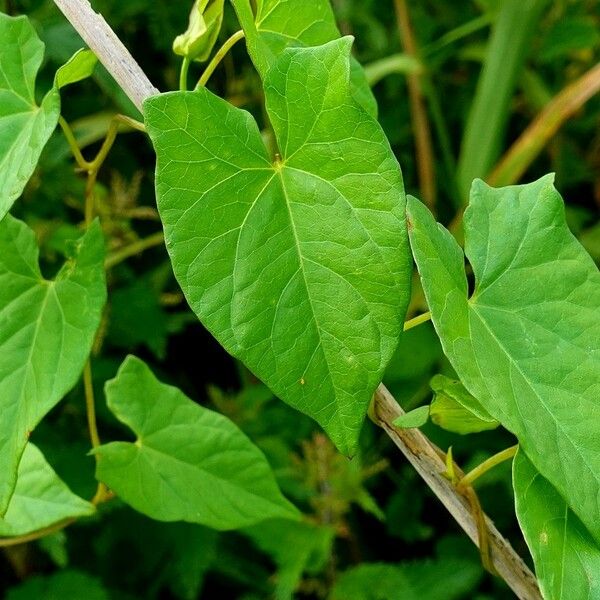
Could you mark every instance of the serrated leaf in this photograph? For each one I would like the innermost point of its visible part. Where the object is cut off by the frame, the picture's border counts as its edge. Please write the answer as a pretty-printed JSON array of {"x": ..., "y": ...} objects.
[
  {"x": 46, "y": 333},
  {"x": 454, "y": 409},
  {"x": 299, "y": 267},
  {"x": 279, "y": 24},
  {"x": 526, "y": 344},
  {"x": 188, "y": 463},
  {"x": 566, "y": 557},
  {"x": 26, "y": 127},
  {"x": 40, "y": 497},
  {"x": 442, "y": 579}
]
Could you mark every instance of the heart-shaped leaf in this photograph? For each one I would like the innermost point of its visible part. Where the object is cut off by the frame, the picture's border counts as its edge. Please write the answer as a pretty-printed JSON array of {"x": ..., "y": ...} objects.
[
  {"x": 299, "y": 266},
  {"x": 46, "y": 333},
  {"x": 41, "y": 498},
  {"x": 526, "y": 343},
  {"x": 188, "y": 463}
]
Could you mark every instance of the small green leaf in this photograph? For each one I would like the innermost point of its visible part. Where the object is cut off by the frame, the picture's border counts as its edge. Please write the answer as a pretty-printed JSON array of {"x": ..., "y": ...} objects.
[
  {"x": 442, "y": 579},
  {"x": 197, "y": 42},
  {"x": 566, "y": 557},
  {"x": 46, "y": 333},
  {"x": 414, "y": 418},
  {"x": 40, "y": 498},
  {"x": 279, "y": 25},
  {"x": 299, "y": 266},
  {"x": 526, "y": 344},
  {"x": 26, "y": 127},
  {"x": 80, "y": 66},
  {"x": 454, "y": 409},
  {"x": 188, "y": 463}
]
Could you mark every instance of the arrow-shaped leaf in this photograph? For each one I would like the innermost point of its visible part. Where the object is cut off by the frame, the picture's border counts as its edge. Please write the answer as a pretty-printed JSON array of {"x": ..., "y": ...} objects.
[
  {"x": 299, "y": 266},
  {"x": 188, "y": 463},
  {"x": 526, "y": 343},
  {"x": 46, "y": 333}
]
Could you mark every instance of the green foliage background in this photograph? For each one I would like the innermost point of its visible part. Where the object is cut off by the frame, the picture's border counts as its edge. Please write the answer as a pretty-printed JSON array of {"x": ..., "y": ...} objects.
[{"x": 372, "y": 511}]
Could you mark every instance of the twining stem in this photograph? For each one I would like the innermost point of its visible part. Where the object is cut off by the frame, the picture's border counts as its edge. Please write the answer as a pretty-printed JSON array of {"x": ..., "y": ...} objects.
[
  {"x": 69, "y": 135},
  {"x": 218, "y": 57},
  {"x": 183, "y": 74},
  {"x": 486, "y": 465},
  {"x": 417, "y": 321},
  {"x": 156, "y": 239},
  {"x": 423, "y": 146}
]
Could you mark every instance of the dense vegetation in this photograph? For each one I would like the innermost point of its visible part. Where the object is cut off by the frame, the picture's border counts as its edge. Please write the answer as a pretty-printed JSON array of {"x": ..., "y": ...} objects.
[{"x": 458, "y": 86}]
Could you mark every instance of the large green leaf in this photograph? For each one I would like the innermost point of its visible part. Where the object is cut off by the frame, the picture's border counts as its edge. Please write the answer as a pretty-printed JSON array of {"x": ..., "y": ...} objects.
[
  {"x": 25, "y": 127},
  {"x": 188, "y": 463},
  {"x": 526, "y": 344},
  {"x": 40, "y": 498},
  {"x": 278, "y": 24},
  {"x": 299, "y": 266},
  {"x": 442, "y": 579},
  {"x": 46, "y": 332},
  {"x": 567, "y": 559}
]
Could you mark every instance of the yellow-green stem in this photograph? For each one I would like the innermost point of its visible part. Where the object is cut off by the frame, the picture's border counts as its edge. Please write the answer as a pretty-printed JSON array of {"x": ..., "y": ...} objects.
[
  {"x": 218, "y": 57},
  {"x": 135, "y": 248},
  {"x": 488, "y": 464},
  {"x": 417, "y": 321},
  {"x": 183, "y": 74},
  {"x": 35, "y": 535}
]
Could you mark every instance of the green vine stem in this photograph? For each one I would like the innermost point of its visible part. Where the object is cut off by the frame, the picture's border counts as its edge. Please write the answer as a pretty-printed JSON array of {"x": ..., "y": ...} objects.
[
  {"x": 218, "y": 57},
  {"x": 486, "y": 465},
  {"x": 156, "y": 239},
  {"x": 183, "y": 74},
  {"x": 417, "y": 321},
  {"x": 36, "y": 535}
]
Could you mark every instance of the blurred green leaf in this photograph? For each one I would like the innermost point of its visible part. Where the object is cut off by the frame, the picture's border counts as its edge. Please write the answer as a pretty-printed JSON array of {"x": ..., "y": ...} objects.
[
  {"x": 63, "y": 585},
  {"x": 295, "y": 547},
  {"x": 443, "y": 579},
  {"x": 136, "y": 318},
  {"x": 568, "y": 35}
]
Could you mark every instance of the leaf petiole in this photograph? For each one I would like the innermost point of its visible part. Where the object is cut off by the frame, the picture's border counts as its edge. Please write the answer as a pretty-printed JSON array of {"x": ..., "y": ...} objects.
[
  {"x": 218, "y": 57},
  {"x": 488, "y": 464},
  {"x": 417, "y": 321}
]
